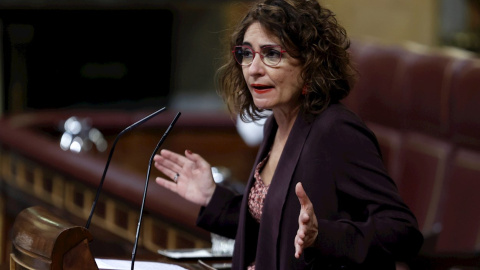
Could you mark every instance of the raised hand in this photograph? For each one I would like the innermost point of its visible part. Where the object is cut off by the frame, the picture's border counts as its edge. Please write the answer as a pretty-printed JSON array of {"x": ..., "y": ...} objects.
[
  {"x": 307, "y": 222},
  {"x": 190, "y": 175}
]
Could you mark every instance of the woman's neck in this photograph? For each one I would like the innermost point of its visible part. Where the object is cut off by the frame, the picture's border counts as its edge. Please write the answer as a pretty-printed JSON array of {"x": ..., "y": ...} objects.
[{"x": 285, "y": 120}]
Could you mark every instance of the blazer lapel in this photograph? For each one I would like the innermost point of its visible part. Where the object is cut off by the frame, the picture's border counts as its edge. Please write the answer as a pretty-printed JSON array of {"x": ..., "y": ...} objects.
[
  {"x": 241, "y": 260},
  {"x": 277, "y": 193}
]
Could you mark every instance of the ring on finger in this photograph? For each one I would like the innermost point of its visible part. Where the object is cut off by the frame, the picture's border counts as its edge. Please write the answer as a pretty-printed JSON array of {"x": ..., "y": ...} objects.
[{"x": 176, "y": 177}]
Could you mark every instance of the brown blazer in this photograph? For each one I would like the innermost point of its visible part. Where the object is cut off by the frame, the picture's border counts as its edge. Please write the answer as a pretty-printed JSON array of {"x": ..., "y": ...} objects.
[{"x": 363, "y": 222}]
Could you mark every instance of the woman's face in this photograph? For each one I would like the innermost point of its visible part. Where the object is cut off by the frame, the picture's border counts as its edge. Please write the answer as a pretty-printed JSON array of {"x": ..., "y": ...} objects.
[{"x": 276, "y": 87}]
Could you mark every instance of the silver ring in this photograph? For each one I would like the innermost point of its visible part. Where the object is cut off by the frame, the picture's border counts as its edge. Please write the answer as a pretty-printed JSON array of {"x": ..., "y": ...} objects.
[{"x": 176, "y": 177}]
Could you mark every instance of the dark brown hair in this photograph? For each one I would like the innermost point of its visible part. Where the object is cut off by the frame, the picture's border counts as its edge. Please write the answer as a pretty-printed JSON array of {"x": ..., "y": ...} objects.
[{"x": 310, "y": 33}]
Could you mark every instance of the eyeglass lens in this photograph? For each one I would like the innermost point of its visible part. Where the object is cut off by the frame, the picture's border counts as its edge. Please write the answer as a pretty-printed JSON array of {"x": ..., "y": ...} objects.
[{"x": 270, "y": 55}]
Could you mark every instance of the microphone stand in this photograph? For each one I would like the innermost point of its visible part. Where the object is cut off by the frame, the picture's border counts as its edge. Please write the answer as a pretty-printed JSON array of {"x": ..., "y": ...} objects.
[
  {"x": 134, "y": 252},
  {"x": 110, "y": 157}
]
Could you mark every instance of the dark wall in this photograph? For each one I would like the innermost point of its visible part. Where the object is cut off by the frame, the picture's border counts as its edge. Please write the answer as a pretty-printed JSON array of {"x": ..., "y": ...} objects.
[{"x": 87, "y": 57}]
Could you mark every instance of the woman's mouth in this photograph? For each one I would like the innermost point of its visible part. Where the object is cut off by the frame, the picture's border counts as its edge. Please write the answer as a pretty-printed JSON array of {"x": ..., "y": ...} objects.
[{"x": 261, "y": 88}]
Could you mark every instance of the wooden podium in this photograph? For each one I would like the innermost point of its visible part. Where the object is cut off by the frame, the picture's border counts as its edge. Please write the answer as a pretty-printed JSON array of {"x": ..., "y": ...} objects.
[{"x": 41, "y": 240}]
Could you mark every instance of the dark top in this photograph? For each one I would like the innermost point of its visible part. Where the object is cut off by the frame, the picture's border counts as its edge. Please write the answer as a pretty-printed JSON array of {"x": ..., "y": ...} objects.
[{"x": 363, "y": 223}]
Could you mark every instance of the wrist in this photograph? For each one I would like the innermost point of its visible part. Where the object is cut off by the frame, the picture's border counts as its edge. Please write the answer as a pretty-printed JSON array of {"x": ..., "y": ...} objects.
[{"x": 210, "y": 194}]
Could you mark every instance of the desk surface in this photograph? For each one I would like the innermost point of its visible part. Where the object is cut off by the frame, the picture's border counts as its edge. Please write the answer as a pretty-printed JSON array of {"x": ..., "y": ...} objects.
[
  {"x": 108, "y": 264},
  {"x": 190, "y": 264}
]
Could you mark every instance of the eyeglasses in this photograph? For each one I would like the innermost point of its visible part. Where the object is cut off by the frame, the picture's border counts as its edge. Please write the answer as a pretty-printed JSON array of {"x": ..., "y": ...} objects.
[{"x": 270, "y": 55}]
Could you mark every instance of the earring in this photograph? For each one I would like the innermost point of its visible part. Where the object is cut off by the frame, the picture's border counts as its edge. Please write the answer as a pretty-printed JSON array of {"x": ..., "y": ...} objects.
[{"x": 304, "y": 90}]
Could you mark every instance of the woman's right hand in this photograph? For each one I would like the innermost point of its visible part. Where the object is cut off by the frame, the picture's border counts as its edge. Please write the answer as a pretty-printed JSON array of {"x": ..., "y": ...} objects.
[{"x": 194, "y": 181}]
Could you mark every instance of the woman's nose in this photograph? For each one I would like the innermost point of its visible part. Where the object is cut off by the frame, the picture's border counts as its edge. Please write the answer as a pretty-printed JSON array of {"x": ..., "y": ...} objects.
[{"x": 257, "y": 66}]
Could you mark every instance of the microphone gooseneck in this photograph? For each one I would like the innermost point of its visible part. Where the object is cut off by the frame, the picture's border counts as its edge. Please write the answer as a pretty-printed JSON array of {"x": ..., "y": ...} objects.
[
  {"x": 137, "y": 236},
  {"x": 99, "y": 188}
]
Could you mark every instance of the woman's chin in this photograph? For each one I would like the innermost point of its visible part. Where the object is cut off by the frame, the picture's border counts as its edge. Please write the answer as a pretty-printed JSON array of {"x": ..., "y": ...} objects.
[{"x": 262, "y": 105}]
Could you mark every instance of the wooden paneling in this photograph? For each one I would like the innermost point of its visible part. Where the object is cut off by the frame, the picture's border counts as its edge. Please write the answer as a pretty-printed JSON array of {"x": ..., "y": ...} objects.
[{"x": 34, "y": 170}]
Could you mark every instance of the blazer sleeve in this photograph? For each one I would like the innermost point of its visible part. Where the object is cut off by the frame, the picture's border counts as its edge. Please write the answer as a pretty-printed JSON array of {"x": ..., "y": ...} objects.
[
  {"x": 221, "y": 215},
  {"x": 373, "y": 223}
]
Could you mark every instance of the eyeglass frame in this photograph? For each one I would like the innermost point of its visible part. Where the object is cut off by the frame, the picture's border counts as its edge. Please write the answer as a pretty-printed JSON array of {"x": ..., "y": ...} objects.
[{"x": 261, "y": 55}]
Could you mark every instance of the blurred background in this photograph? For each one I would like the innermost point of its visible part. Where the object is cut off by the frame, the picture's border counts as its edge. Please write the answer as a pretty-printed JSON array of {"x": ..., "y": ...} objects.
[
  {"x": 74, "y": 74},
  {"x": 133, "y": 54}
]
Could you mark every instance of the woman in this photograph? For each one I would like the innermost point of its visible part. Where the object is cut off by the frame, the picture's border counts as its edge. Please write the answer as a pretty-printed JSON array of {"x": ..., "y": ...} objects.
[{"x": 319, "y": 196}]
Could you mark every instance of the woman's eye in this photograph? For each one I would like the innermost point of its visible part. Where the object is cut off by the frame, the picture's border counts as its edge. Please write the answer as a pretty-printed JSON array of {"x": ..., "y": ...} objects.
[
  {"x": 272, "y": 53},
  {"x": 247, "y": 53}
]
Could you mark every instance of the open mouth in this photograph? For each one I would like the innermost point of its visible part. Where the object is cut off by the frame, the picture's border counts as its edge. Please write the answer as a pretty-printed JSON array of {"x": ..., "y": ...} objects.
[{"x": 258, "y": 88}]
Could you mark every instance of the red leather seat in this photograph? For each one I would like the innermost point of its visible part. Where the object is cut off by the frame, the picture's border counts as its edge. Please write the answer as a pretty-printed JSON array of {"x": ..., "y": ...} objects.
[
  {"x": 375, "y": 96},
  {"x": 424, "y": 168},
  {"x": 460, "y": 218},
  {"x": 426, "y": 83},
  {"x": 391, "y": 142},
  {"x": 465, "y": 115}
]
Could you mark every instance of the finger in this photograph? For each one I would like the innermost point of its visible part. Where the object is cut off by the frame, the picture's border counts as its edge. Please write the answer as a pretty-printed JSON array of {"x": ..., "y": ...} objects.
[
  {"x": 298, "y": 249},
  {"x": 297, "y": 253},
  {"x": 304, "y": 218},
  {"x": 167, "y": 170},
  {"x": 166, "y": 184},
  {"x": 300, "y": 241},
  {"x": 302, "y": 196},
  {"x": 198, "y": 160},
  {"x": 300, "y": 233},
  {"x": 175, "y": 177},
  {"x": 169, "y": 166},
  {"x": 173, "y": 157}
]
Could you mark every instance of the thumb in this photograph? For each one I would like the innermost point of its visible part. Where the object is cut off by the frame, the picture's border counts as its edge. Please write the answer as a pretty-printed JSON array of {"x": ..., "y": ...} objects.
[{"x": 301, "y": 194}]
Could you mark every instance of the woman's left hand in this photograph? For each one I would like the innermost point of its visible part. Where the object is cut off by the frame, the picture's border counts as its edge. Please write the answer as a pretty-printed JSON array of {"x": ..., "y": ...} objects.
[{"x": 307, "y": 222}]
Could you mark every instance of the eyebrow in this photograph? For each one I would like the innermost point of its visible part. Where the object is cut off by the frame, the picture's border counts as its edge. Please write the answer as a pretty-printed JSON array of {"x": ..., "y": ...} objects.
[{"x": 263, "y": 46}]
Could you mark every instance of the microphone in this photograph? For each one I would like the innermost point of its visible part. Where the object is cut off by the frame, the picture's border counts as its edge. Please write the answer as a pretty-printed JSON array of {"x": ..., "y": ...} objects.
[
  {"x": 99, "y": 188},
  {"x": 146, "y": 186}
]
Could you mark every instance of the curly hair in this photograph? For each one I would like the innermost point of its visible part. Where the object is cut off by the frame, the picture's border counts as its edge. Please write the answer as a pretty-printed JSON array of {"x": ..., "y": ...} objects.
[{"x": 311, "y": 34}]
